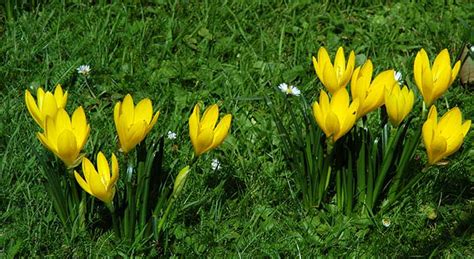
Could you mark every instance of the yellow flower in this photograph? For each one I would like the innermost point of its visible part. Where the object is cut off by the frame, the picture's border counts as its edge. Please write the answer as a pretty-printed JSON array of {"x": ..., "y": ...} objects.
[
  {"x": 133, "y": 122},
  {"x": 434, "y": 81},
  {"x": 47, "y": 104},
  {"x": 66, "y": 137},
  {"x": 337, "y": 76},
  {"x": 446, "y": 137},
  {"x": 99, "y": 183},
  {"x": 370, "y": 94},
  {"x": 204, "y": 133},
  {"x": 398, "y": 103},
  {"x": 338, "y": 117}
]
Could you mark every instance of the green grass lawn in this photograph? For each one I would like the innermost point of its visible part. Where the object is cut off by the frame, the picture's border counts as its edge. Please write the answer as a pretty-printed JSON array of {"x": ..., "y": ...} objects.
[{"x": 233, "y": 53}]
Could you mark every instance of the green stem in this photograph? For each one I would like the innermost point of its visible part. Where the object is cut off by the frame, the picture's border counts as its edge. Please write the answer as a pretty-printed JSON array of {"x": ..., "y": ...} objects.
[
  {"x": 163, "y": 218},
  {"x": 115, "y": 224}
]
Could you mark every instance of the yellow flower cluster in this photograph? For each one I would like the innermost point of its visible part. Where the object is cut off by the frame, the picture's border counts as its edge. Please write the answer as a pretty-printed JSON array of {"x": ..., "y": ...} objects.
[
  {"x": 66, "y": 136},
  {"x": 337, "y": 116}
]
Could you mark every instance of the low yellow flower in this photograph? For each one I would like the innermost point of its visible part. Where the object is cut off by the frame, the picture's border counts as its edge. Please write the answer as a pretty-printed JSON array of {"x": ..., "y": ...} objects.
[
  {"x": 133, "y": 122},
  {"x": 204, "y": 133},
  {"x": 337, "y": 117},
  {"x": 99, "y": 183},
  {"x": 370, "y": 93},
  {"x": 337, "y": 76},
  {"x": 66, "y": 137},
  {"x": 398, "y": 103},
  {"x": 445, "y": 137},
  {"x": 434, "y": 81},
  {"x": 46, "y": 104}
]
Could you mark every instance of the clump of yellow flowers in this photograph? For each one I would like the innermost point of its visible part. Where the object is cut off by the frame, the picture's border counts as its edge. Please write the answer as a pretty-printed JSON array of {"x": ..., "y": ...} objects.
[{"x": 66, "y": 136}]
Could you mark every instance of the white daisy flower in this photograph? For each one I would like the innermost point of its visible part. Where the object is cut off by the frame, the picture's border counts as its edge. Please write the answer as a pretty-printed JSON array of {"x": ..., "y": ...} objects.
[
  {"x": 386, "y": 222},
  {"x": 171, "y": 135},
  {"x": 84, "y": 70},
  {"x": 398, "y": 77},
  {"x": 215, "y": 164},
  {"x": 293, "y": 90}
]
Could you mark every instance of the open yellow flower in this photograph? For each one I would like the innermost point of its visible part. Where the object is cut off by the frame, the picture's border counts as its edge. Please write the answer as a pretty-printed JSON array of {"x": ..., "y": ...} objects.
[
  {"x": 46, "y": 104},
  {"x": 398, "y": 103},
  {"x": 370, "y": 94},
  {"x": 446, "y": 137},
  {"x": 99, "y": 183},
  {"x": 434, "y": 81},
  {"x": 204, "y": 133},
  {"x": 337, "y": 76},
  {"x": 66, "y": 137},
  {"x": 133, "y": 122},
  {"x": 337, "y": 117}
]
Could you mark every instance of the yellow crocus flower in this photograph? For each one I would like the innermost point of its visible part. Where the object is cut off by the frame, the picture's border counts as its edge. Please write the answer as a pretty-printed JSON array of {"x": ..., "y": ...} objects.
[
  {"x": 66, "y": 137},
  {"x": 204, "y": 133},
  {"x": 398, "y": 103},
  {"x": 337, "y": 76},
  {"x": 46, "y": 104},
  {"x": 99, "y": 183},
  {"x": 133, "y": 122},
  {"x": 337, "y": 117},
  {"x": 370, "y": 93},
  {"x": 445, "y": 137},
  {"x": 434, "y": 81}
]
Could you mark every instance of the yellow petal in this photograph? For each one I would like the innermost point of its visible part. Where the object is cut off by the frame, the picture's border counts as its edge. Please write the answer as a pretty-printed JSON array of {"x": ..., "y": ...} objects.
[
  {"x": 221, "y": 131},
  {"x": 450, "y": 120},
  {"x": 209, "y": 118},
  {"x": 33, "y": 109},
  {"x": 82, "y": 183},
  {"x": 62, "y": 122},
  {"x": 87, "y": 169},
  {"x": 127, "y": 111},
  {"x": 340, "y": 64},
  {"x": 194, "y": 125},
  {"x": 115, "y": 171},
  {"x": 465, "y": 127},
  {"x": 421, "y": 61},
  {"x": 67, "y": 147},
  {"x": 427, "y": 86},
  {"x": 98, "y": 189},
  {"x": 319, "y": 116},
  {"x": 60, "y": 97},
  {"x": 348, "y": 120},
  {"x": 455, "y": 71},
  {"x": 144, "y": 111},
  {"x": 46, "y": 142},
  {"x": 49, "y": 106},
  {"x": 340, "y": 103},
  {"x": 437, "y": 149},
  {"x": 330, "y": 78},
  {"x": 332, "y": 124},
  {"x": 103, "y": 168},
  {"x": 152, "y": 123},
  {"x": 204, "y": 141},
  {"x": 80, "y": 127},
  {"x": 318, "y": 69},
  {"x": 348, "y": 71}
]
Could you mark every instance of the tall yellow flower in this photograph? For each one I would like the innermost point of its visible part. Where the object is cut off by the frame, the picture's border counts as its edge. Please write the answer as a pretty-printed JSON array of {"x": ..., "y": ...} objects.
[
  {"x": 337, "y": 117},
  {"x": 133, "y": 122},
  {"x": 47, "y": 104},
  {"x": 204, "y": 133},
  {"x": 445, "y": 137},
  {"x": 398, "y": 103},
  {"x": 434, "y": 81},
  {"x": 370, "y": 94},
  {"x": 337, "y": 76},
  {"x": 99, "y": 183},
  {"x": 66, "y": 137}
]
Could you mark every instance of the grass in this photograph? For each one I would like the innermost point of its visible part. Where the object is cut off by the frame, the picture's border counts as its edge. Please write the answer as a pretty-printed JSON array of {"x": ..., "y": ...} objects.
[{"x": 233, "y": 53}]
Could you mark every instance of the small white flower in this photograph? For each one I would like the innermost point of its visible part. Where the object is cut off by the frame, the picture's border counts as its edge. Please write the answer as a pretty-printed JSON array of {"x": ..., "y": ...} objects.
[
  {"x": 386, "y": 222},
  {"x": 472, "y": 48},
  {"x": 293, "y": 90},
  {"x": 398, "y": 77},
  {"x": 215, "y": 164},
  {"x": 171, "y": 135},
  {"x": 84, "y": 70}
]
